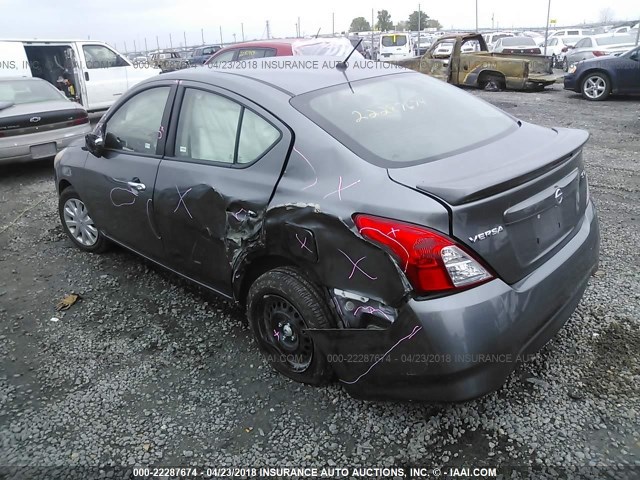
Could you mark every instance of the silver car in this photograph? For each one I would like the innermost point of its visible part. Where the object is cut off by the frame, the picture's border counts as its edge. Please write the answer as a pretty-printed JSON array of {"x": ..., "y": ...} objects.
[
  {"x": 598, "y": 46},
  {"x": 37, "y": 120}
]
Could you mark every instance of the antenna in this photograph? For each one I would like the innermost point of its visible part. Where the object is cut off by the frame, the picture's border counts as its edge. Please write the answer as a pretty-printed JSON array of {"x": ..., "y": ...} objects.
[{"x": 343, "y": 64}]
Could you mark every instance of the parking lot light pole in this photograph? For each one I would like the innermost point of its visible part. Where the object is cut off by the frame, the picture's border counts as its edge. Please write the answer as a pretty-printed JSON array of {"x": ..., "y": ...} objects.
[
  {"x": 476, "y": 16},
  {"x": 546, "y": 30},
  {"x": 242, "y": 30}
]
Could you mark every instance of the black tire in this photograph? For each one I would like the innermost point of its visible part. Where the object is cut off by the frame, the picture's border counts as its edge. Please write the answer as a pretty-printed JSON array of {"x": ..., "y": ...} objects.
[
  {"x": 595, "y": 87},
  {"x": 282, "y": 298},
  {"x": 100, "y": 244}
]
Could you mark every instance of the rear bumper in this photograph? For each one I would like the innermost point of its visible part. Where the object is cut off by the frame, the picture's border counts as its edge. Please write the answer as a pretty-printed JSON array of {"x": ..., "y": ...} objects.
[
  {"x": 18, "y": 149},
  {"x": 465, "y": 345}
]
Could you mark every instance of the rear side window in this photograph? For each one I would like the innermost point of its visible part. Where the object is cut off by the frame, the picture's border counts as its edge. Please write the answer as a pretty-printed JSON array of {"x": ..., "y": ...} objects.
[
  {"x": 134, "y": 126},
  {"x": 213, "y": 128},
  {"x": 403, "y": 119}
]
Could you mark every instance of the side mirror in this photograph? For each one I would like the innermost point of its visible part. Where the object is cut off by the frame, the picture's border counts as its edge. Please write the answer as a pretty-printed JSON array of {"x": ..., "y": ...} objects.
[
  {"x": 634, "y": 55},
  {"x": 95, "y": 143}
]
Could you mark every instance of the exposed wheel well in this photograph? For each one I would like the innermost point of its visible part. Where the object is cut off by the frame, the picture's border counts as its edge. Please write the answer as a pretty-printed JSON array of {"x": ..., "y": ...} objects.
[{"x": 486, "y": 75}]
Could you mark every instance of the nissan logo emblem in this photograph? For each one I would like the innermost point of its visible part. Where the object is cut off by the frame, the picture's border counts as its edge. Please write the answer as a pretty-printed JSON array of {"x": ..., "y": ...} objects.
[
  {"x": 34, "y": 119},
  {"x": 558, "y": 196}
]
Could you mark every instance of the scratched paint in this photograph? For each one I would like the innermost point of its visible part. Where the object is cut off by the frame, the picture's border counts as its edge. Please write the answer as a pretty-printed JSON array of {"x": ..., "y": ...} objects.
[
  {"x": 315, "y": 175},
  {"x": 413, "y": 333},
  {"x": 341, "y": 189},
  {"x": 356, "y": 266},
  {"x": 150, "y": 220},
  {"x": 181, "y": 201},
  {"x": 117, "y": 203}
]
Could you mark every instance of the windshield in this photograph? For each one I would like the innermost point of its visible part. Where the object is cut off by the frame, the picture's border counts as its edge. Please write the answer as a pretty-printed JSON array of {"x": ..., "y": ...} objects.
[
  {"x": 28, "y": 91},
  {"x": 617, "y": 40},
  {"x": 394, "y": 40},
  {"x": 403, "y": 119},
  {"x": 512, "y": 41}
]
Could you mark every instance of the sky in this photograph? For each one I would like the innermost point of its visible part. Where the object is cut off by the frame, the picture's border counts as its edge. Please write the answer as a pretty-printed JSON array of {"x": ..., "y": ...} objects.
[{"x": 120, "y": 22}]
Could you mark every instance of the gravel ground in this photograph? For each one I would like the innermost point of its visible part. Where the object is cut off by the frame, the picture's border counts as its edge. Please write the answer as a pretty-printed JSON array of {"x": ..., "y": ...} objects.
[{"x": 148, "y": 370}]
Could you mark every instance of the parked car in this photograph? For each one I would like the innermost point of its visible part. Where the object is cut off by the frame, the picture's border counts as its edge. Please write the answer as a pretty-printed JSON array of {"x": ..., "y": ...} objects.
[
  {"x": 572, "y": 32},
  {"x": 597, "y": 78},
  {"x": 598, "y": 46},
  {"x": 168, "y": 61},
  {"x": 395, "y": 46},
  {"x": 37, "y": 120},
  {"x": 359, "y": 44},
  {"x": 557, "y": 47},
  {"x": 284, "y": 47},
  {"x": 376, "y": 214},
  {"x": 491, "y": 38},
  {"x": 511, "y": 45},
  {"x": 201, "y": 54},
  {"x": 98, "y": 73}
]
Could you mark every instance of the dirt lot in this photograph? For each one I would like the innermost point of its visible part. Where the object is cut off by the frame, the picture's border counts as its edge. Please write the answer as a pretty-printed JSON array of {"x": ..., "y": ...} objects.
[{"x": 148, "y": 370}]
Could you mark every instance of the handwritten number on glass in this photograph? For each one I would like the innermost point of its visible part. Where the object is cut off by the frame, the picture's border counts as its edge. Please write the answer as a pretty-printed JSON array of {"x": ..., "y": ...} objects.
[{"x": 370, "y": 114}]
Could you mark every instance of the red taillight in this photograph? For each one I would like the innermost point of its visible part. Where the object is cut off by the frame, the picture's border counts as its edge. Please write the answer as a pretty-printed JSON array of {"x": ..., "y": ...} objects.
[
  {"x": 598, "y": 53},
  {"x": 432, "y": 261}
]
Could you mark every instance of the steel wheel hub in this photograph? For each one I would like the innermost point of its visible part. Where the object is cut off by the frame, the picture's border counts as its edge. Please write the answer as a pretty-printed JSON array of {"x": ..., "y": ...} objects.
[
  {"x": 79, "y": 223},
  {"x": 283, "y": 329}
]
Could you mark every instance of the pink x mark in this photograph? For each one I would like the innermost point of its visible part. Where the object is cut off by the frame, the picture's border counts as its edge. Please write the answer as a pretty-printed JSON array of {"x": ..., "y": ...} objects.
[{"x": 355, "y": 266}]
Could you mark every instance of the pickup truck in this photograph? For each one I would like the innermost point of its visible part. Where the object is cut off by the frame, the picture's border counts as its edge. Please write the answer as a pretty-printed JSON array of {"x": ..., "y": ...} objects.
[{"x": 477, "y": 67}]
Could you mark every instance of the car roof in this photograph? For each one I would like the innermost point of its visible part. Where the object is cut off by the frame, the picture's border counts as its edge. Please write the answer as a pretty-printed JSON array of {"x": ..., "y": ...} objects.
[{"x": 293, "y": 75}]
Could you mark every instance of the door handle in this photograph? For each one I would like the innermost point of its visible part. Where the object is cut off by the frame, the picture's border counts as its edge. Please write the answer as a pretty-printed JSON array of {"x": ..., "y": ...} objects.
[
  {"x": 141, "y": 187},
  {"x": 86, "y": 76}
]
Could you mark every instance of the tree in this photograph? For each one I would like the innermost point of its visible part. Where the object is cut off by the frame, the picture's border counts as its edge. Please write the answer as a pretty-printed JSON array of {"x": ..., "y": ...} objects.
[
  {"x": 359, "y": 24},
  {"x": 433, "y": 23},
  {"x": 384, "y": 21},
  {"x": 413, "y": 21},
  {"x": 402, "y": 26}
]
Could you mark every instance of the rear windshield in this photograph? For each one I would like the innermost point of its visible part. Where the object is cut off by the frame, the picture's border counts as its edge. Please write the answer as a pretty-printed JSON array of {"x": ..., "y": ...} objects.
[
  {"x": 403, "y": 119},
  {"x": 394, "y": 40},
  {"x": 512, "y": 41},
  {"x": 28, "y": 91},
  {"x": 617, "y": 40}
]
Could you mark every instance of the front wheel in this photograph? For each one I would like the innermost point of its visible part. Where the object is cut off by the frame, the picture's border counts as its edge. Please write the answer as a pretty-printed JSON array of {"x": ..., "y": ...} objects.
[
  {"x": 281, "y": 305},
  {"x": 78, "y": 224},
  {"x": 596, "y": 87}
]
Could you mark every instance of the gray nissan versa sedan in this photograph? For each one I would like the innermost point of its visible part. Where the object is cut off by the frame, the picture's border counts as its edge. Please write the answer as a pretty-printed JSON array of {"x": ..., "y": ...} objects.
[{"x": 382, "y": 228}]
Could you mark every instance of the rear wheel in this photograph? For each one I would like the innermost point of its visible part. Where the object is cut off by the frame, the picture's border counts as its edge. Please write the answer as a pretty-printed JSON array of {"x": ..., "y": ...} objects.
[
  {"x": 78, "y": 224},
  {"x": 281, "y": 305},
  {"x": 492, "y": 83},
  {"x": 596, "y": 86}
]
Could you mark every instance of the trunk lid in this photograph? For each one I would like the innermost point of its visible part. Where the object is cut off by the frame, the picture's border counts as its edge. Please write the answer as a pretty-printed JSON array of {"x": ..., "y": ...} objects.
[
  {"x": 514, "y": 202},
  {"x": 28, "y": 118}
]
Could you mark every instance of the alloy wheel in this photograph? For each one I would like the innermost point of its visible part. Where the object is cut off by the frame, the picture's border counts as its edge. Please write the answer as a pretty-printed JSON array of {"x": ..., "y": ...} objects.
[{"x": 594, "y": 87}]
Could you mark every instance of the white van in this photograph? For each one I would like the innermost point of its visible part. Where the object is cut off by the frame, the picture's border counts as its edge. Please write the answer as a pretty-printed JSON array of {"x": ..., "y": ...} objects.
[
  {"x": 91, "y": 73},
  {"x": 395, "y": 46}
]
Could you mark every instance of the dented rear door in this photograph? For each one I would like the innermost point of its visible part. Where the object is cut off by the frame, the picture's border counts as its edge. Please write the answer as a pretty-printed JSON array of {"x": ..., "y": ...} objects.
[{"x": 223, "y": 159}]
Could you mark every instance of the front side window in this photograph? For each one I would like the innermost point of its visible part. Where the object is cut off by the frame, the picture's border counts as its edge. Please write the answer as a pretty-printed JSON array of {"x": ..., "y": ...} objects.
[
  {"x": 99, "y": 56},
  {"x": 134, "y": 126},
  {"x": 215, "y": 129},
  {"x": 403, "y": 119}
]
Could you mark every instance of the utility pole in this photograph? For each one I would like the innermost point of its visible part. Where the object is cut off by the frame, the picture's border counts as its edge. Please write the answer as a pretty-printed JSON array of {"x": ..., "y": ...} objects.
[
  {"x": 299, "y": 28},
  {"x": 170, "y": 42},
  {"x": 492, "y": 20},
  {"x": 373, "y": 48},
  {"x": 202, "y": 35},
  {"x": 146, "y": 49},
  {"x": 135, "y": 48},
  {"x": 157, "y": 42},
  {"x": 242, "y": 30},
  {"x": 125, "y": 47},
  {"x": 419, "y": 15},
  {"x": 221, "y": 40},
  {"x": 234, "y": 38},
  {"x": 333, "y": 24},
  {"x": 268, "y": 31},
  {"x": 546, "y": 30},
  {"x": 185, "y": 38},
  {"x": 476, "y": 15}
]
